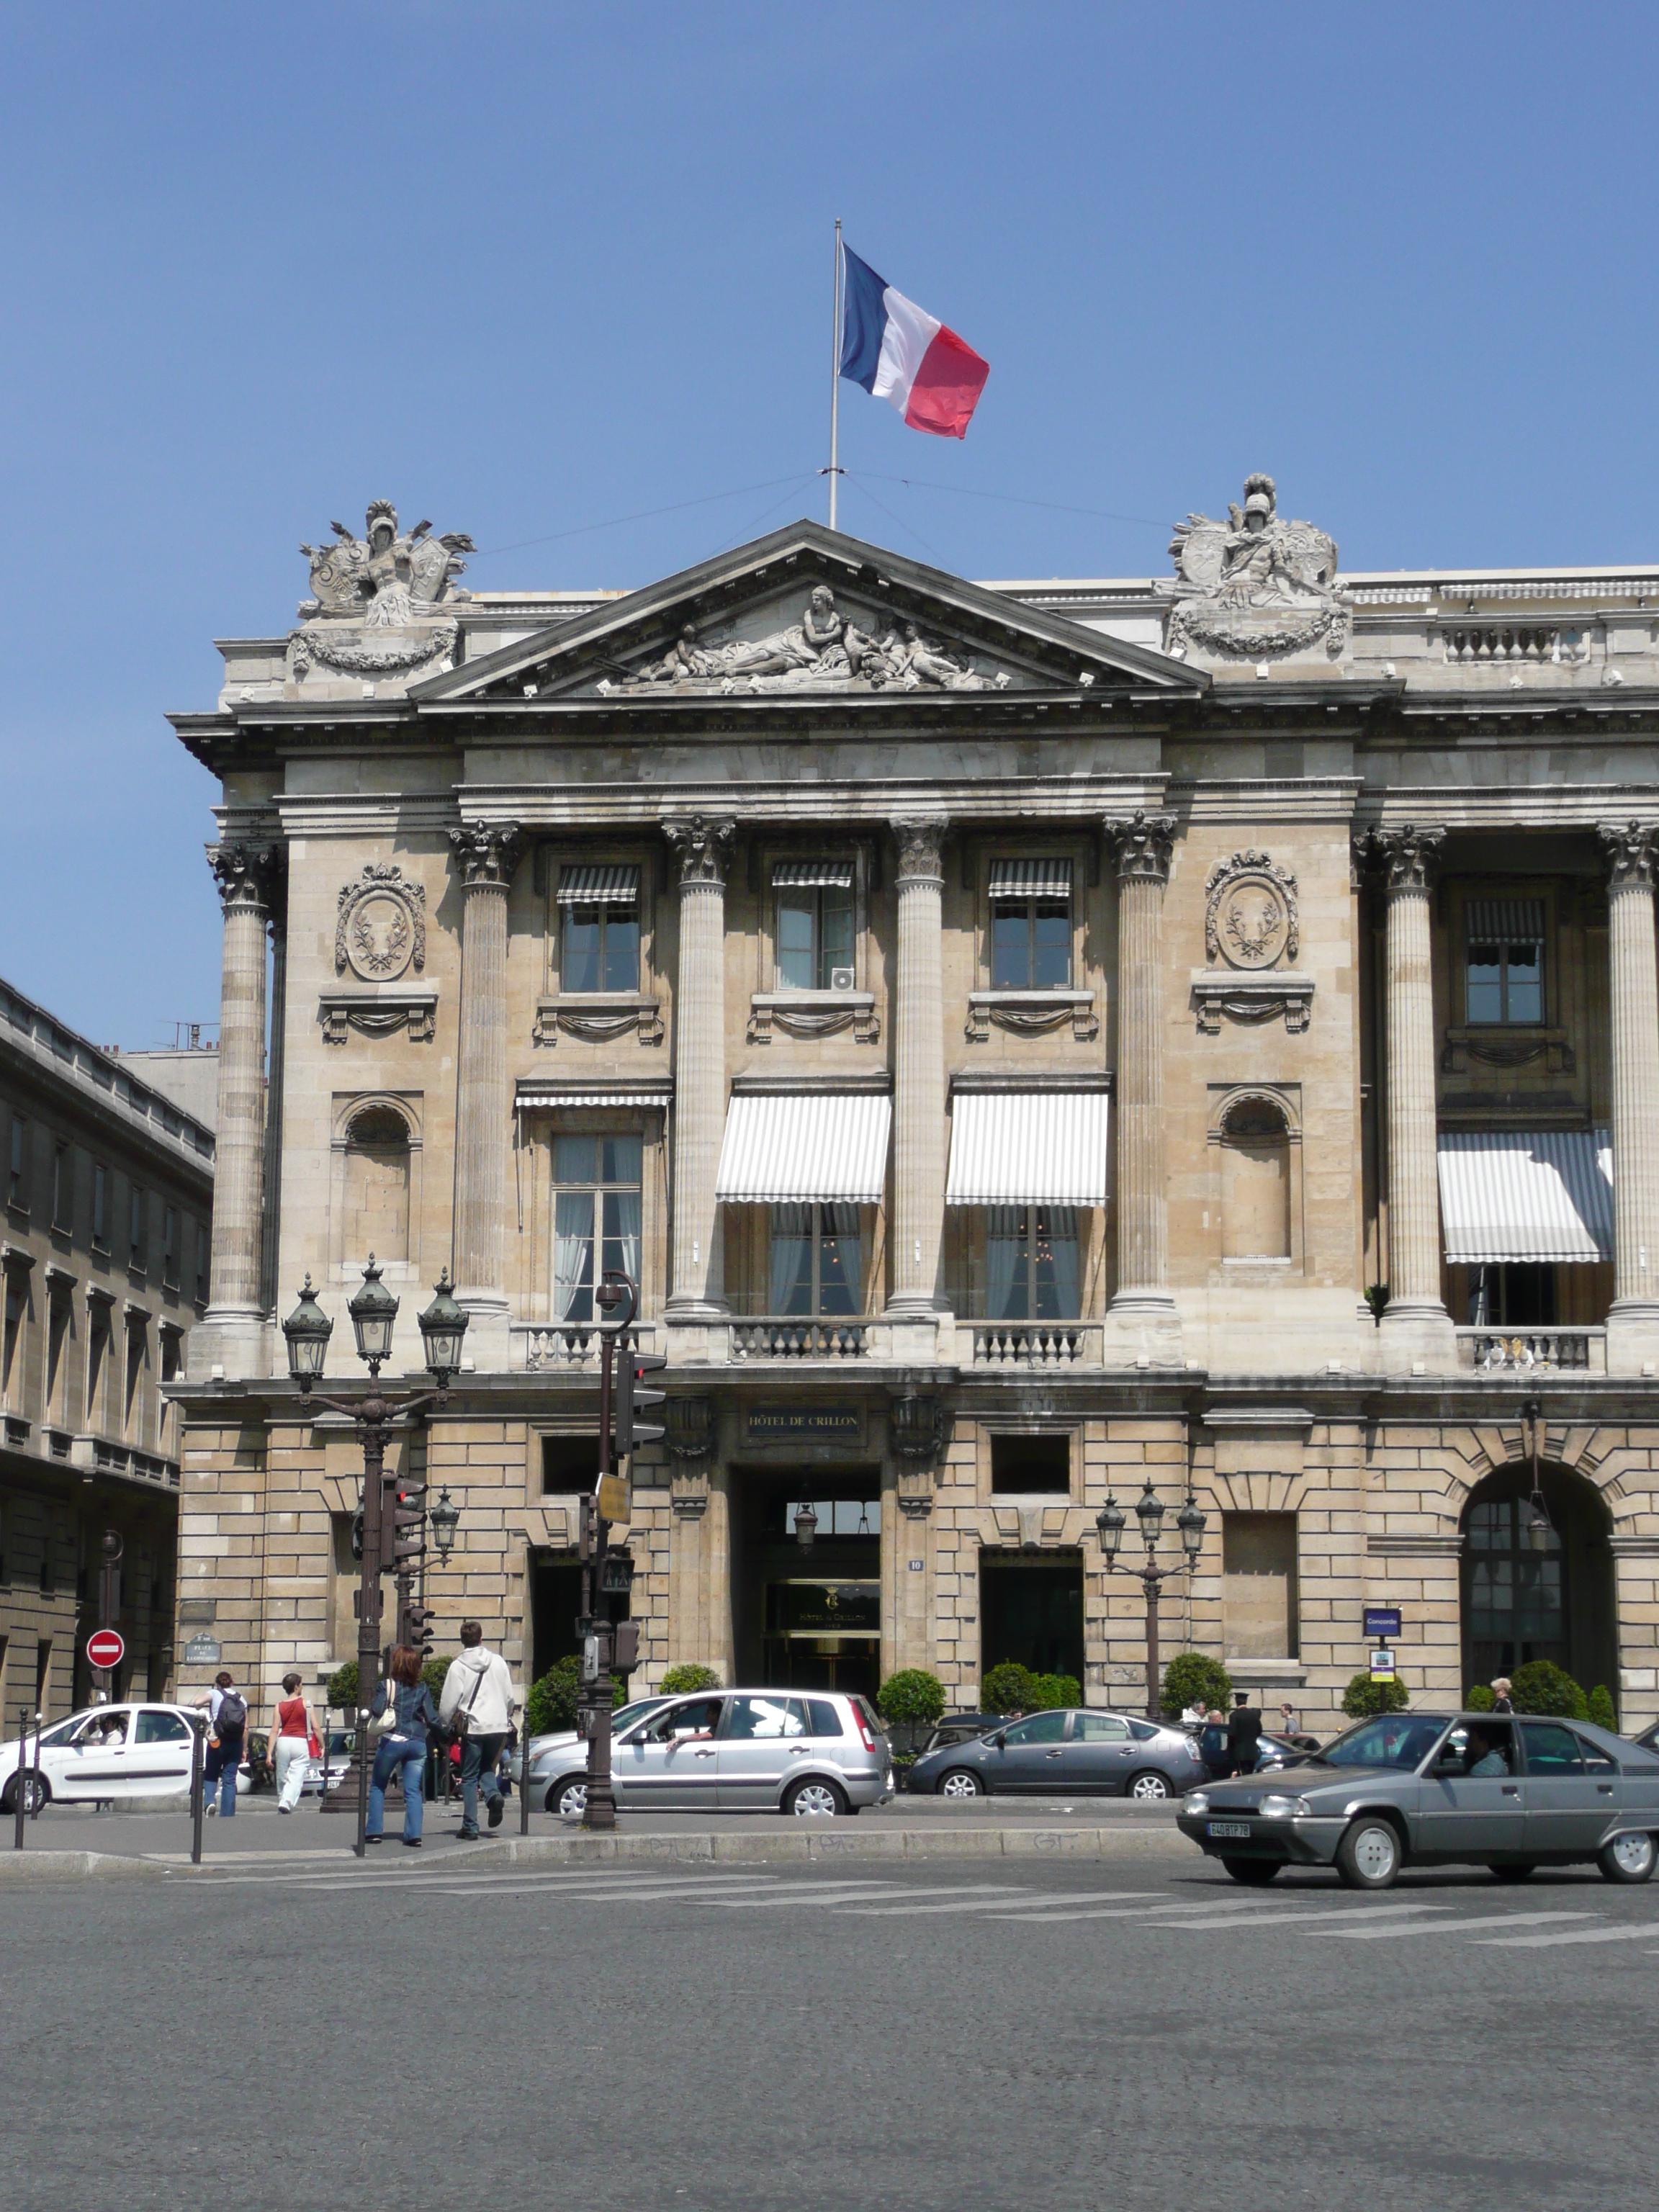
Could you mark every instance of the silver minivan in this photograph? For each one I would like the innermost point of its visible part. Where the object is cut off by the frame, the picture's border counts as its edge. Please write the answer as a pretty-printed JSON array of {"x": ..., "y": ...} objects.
[{"x": 817, "y": 1752}]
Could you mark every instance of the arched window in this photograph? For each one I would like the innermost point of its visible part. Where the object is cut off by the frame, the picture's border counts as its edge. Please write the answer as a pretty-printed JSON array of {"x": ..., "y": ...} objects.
[
  {"x": 377, "y": 1187},
  {"x": 1256, "y": 1183}
]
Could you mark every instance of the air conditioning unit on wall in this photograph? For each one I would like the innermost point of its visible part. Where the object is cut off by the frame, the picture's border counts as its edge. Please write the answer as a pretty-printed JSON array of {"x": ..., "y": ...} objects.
[{"x": 841, "y": 979}]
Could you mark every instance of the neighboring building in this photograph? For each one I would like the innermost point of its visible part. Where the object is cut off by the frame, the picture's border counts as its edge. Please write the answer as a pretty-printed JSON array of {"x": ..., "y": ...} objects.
[
  {"x": 1022, "y": 1037},
  {"x": 109, "y": 1204},
  {"x": 187, "y": 1073}
]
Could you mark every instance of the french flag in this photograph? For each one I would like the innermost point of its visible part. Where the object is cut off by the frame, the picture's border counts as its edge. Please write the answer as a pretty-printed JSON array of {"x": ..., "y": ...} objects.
[{"x": 898, "y": 352}]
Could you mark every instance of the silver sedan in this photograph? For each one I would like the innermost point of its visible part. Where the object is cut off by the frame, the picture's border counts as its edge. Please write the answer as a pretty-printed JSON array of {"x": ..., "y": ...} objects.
[
  {"x": 1071, "y": 1752},
  {"x": 1507, "y": 1792}
]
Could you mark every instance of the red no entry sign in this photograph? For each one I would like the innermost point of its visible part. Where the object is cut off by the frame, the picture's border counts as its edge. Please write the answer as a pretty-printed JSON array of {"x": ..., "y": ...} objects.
[{"x": 105, "y": 1647}]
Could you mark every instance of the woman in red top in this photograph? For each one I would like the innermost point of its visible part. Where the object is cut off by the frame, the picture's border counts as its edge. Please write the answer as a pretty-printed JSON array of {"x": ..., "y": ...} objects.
[{"x": 290, "y": 1743}]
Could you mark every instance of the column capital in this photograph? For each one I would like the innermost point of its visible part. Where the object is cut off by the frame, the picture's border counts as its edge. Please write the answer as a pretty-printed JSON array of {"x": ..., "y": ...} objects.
[
  {"x": 1144, "y": 844},
  {"x": 921, "y": 846},
  {"x": 703, "y": 845},
  {"x": 1629, "y": 851},
  {"x": 1406, "y": 857},
  {"x": 488, "y": 853},
  {"x": 247, "y": 874}
]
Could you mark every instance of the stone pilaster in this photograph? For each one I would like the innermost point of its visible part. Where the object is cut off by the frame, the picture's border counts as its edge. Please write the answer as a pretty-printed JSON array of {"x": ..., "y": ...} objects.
[
  {"x": 1416, "y": 1328},
  {"x": 271, "y": 1231},
  {"x": 702, "y": 847},
  {"x": 233, "y": 1330},
  {"x": 486, "y": 855},
  {"x": 1631, "y": 850},
  {"x": 919, "y": 1071},
  {"x": 1141, "y": 1322}
]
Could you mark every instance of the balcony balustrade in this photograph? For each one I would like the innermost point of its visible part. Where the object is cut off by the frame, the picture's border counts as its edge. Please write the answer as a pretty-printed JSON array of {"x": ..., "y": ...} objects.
[{"x": 1492, "y": 1351}]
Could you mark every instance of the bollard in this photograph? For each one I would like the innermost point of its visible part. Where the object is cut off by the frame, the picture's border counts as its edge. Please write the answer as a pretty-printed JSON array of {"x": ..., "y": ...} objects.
[
  {"x": 18, "y": 1783},
  {"x": 34, "y": 1795},
  {"x": 196, "y": 1792}
]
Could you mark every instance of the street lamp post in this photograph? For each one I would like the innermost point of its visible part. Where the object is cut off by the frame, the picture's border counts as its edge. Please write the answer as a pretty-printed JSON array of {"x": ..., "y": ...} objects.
[
  {"x": 1111, "y": 1522},
  {"x": 308, "y": 1330}
]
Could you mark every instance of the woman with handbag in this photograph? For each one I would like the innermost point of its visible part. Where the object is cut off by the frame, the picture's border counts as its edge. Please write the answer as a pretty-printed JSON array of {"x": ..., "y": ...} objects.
[
  {"x": 292, "y": 1742},
  {"x": 402, "y": 1713}
]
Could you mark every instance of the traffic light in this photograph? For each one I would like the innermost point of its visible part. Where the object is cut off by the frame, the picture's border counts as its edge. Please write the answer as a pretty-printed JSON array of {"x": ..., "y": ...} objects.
[
  {"x": 357, "y": 1534},
  {"x": 409, "y": 1524},
  {"x": 629, "y": 1432},
  {"x": 617, "y": 1574},
  {"x": 422, "y": 1634}
]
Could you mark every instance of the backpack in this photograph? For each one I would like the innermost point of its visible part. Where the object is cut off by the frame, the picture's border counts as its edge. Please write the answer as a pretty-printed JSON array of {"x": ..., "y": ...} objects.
[{"x": 232, "y": 1717}]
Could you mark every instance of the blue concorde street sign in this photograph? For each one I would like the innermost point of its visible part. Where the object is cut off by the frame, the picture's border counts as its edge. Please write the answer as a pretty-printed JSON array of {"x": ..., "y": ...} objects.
[{"x": 1382, "y": 1620}]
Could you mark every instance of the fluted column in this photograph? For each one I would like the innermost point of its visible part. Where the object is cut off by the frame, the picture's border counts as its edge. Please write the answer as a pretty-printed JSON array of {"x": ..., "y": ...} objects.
[
  {"x": 245, "y": 873},
  {"x": 702, "y": 847},
  {"x": 487, "y": 854},
  {"x": 1141, "y": 1303},
  {"x": 1633, "y": 854},
  {"x": 919, "y": 1069},
  {"x": 1415, "y": 1322}
]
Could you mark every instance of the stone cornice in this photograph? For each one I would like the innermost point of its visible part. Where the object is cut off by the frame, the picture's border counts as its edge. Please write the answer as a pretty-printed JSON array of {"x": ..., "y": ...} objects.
[{"x": 61, "y": 1062}]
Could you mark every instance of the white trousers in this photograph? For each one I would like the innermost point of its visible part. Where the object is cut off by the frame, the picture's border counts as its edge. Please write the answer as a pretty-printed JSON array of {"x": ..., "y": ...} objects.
[{"x": 293, "y": 1757}]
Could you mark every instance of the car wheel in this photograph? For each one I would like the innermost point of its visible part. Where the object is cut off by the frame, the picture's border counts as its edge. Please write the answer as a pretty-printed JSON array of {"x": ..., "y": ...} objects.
[
  {"x": 814, "y": 1799},
  {"x": 1369, "y": 1856},
  {"x": 1255, "y": 1874},
  {"x": 1515, "y": 1870},
  {"x": 37, "y": 1792},
  {"x": 1148, "y": 1786},
  {"x": 1628, "y": 1858},
  {"x": 961, "y": 1782},
  {"x": 568, "y": 1796}
]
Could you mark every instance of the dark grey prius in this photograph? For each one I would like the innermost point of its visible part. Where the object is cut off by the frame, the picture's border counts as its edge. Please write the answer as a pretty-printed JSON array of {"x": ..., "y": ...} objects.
[
  {"x": 1435, "y": 1789},
  {"x": 1069, "y": 1752}
]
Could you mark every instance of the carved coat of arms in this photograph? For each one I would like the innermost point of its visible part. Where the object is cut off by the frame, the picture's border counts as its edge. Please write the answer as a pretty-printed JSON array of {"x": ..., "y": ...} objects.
[
  {"x": 379, "y": 929},
  {"x": 1254, "y": 586}
]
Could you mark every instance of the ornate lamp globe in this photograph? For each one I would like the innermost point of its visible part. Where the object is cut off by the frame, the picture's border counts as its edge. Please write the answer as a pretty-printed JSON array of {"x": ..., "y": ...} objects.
[
  {"x": 308, "y": 1330},
  {"x": 1110, "y": 1521},
  {"x": 446, "y": 1518},
  {"x": 442, "y": 1326},
  {"x": 1190, "y": 1526},
  {"x": 806, "y": 1527},
  {"x": 1149, "y": 1511},
  {"x": 373, "y": 1312}
]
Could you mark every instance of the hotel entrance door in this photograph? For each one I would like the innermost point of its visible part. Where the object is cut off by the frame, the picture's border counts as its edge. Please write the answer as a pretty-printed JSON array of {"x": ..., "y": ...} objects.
[{"x": 808, "y": 1615}]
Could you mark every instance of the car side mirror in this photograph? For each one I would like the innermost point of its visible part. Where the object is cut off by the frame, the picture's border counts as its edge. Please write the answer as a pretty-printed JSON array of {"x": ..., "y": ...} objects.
[{"x": 1000, "y": 1739}]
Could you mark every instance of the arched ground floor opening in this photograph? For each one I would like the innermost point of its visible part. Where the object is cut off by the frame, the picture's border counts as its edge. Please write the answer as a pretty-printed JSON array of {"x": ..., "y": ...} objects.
[{"x": 1521, "y": 1603}]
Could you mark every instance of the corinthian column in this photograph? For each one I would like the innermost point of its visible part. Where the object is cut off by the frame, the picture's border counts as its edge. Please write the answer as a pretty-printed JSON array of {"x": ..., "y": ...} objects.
[
  {"x": 247, "y": 874},
  {"x": 1142, "y": 1311},
  {"x": 703, "y": 848},
  {"x": 1633, "y": 854},
  {"x": 919, "y": 1069},
  {"x": 487, "y": 854},
  {"x": 1416, "y": 1326}
]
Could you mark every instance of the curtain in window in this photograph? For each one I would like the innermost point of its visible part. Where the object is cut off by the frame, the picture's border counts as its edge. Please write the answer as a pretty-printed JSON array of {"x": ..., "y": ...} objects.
[
  {"x": 573, "y": 1256},
  {"x": 790, "y": 1290},
  {"x": 622, "y": 1232},
  {"x": 1004, "y": 1263},
  {"x": 841, "y": 1277},
  {"x": 1057, "y": 1283}
]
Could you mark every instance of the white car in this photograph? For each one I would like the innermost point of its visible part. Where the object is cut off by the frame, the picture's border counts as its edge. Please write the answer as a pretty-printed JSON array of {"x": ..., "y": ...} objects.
[{"x": 105, "y": 1754}]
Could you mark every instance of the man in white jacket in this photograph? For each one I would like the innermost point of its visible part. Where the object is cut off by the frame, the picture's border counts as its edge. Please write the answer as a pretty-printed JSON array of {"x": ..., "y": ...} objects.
[{"x": 478, "y": 1696}]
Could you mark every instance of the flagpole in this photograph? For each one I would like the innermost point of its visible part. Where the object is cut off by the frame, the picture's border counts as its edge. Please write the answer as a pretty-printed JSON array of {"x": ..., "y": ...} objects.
[{"x": 834, "y": 379}]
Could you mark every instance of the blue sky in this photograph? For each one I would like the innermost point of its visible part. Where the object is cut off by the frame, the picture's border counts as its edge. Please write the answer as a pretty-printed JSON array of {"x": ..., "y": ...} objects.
[{"x": 531, "y": 269}]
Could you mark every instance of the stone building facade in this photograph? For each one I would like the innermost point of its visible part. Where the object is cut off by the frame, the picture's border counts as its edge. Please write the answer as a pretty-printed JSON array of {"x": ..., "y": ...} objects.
[
  {"x": 1030, "y": 1043},
  {"x": 105, "y": 1255}
]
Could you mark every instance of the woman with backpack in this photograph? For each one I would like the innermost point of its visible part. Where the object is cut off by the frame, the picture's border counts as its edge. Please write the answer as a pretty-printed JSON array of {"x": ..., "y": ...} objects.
[{"x": 402, "y": 1713}]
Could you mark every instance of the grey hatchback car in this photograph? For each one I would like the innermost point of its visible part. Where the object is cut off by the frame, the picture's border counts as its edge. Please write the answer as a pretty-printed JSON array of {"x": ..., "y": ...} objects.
[
  {"x": 1070, "y": 1752},
  {"x": 1506, "y": 1791}
]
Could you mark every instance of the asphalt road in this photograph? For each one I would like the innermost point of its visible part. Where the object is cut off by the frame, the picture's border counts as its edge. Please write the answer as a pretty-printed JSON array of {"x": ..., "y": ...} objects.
[{"x": 411, "y": 2035}]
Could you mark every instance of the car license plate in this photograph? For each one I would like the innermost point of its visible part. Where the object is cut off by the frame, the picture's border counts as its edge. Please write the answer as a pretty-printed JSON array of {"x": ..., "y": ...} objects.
[{"x": 1228, "y": 1829}]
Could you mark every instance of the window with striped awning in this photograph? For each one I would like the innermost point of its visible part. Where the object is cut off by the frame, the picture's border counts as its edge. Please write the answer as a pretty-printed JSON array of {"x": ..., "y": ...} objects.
[
  {"x": 810, "y": 875},
  {"x": 803, "y": 1147},
  {"x": 1516, "y": 1195},
  {"x": 1031, "y": 879},
  {"x": 1498, "y": 921},
  {"x": 601, "y": 883},
  {"x": 1028, "y": 1148}
]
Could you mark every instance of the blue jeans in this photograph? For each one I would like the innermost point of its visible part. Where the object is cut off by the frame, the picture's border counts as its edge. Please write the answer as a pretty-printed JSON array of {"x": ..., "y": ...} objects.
[
  {"x": 402, "y": 1755},
  {"x": 479, "y": 1754},
  {"x": 220, "y": 1772}
]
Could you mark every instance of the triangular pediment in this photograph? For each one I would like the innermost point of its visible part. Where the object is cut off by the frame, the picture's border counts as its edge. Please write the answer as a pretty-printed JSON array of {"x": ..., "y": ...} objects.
[{"x": 807, "y": 613}]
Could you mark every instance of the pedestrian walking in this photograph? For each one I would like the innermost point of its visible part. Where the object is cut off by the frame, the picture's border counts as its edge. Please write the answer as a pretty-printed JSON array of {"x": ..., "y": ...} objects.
[
  {"x": 402, "y": 1716},
  {"x": 292, "y": 1738},
  {"x": 227, "y": 1732},
  {"x": 1244, "y": 1732},
  {"x": 1500, "y": 1695},
  {"x": 1288, "y": 1722},
  {"x": 1214, "y": 1748},
  {"x": 478, "y": 1704}
]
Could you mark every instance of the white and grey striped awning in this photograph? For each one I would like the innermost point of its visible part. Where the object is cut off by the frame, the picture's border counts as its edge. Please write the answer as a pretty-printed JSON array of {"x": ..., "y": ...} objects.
[
  {"x": 599, "y": 882},
  {"x": 783, "y": 1146},
  {"x": 532, "y": 1098},
  {"x": 1511, "y": 1195},
  {"x": 1028, "y": 1148},
  {"x": 1031, "y": 879},
  {"x": 1504, "y": 922},
  {"x": 806, "y": 874}
]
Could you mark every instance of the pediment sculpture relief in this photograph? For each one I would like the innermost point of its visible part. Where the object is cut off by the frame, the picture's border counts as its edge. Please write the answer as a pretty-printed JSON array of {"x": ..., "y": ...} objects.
[
  {"x": 376, "y": 608},
  {"x": 1254, "y": 586},
  {"x": 825, "y": 650}
]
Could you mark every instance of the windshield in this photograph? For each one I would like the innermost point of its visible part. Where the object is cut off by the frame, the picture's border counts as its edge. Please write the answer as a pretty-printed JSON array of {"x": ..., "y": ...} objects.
[{"x": 1398, "y": 1740}]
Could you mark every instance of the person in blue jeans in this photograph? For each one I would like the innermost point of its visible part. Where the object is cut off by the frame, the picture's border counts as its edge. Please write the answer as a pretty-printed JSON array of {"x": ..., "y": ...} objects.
[
  {"x": 227, "y": 1734},
  {"x": 402, "y": 1747}
]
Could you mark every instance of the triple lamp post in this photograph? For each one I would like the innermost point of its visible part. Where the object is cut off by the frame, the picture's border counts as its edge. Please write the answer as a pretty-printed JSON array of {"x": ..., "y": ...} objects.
[
  {"x": 1111, "y": 1521},
  {"x": 392, "y": 1534}
]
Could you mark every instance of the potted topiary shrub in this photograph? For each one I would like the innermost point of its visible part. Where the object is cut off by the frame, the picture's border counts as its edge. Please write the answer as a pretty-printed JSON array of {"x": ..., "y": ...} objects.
[
  {"x": 911, "y": 1702},
  {"x": 1602, "y": 1710},
  {"x": 1541, "y": 1686},
  {"x": 1050, "y": 1693},
  {"x": 1366, "y": 1696},
  {"x": 1193, "y": 1678},
  {"x": 687, "y": 1678},
  {"x": 1007, "y": 1688}
]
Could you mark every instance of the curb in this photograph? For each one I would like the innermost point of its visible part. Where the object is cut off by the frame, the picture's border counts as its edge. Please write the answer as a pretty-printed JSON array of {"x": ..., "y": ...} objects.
[
  {"x": 816, "y": 1845},
  {"x": 68, "y": 1866}
]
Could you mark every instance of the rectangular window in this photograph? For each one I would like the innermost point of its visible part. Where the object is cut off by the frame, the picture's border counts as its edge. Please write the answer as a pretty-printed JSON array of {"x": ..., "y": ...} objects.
[
  {"x": 100, "y": 1204},
  {"x": 1257, "y": 1585},
  {"x": 814, "y": 924},
  {"x": 1512, "y": 1294},
  {"x": 1030, "y": 1263},
  {"x": 97, "y": 1351},
  {"x": 138, "y": 1225},
  {"x": 137, "y": 1352},
  {"x": 173, "y": 1355},
  {"x": 11, "y": 1355},
  {"x": 596, "y": 1217},
  {"x": 203, "y": 1262},
  {"x": 17, "y": 1181},
  {"x": 58, "y": 1337},
  {"x": 170, "y": 1247},
  {"x": 1025, "y": 1466},
  {"x": 816, "y": 1261},
  {"x": 1505, "y": 977},
  {"x": 62, "y": 1187},
  {"x": 1031, "y": 924},
  {"x": 599, "y": 934}
]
